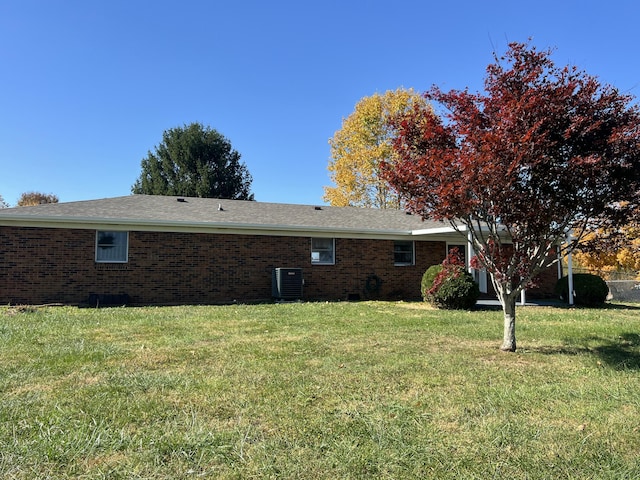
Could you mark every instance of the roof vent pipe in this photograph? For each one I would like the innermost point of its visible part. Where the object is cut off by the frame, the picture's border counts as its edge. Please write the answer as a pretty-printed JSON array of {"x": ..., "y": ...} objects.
[{"x": 220, "y": 209}]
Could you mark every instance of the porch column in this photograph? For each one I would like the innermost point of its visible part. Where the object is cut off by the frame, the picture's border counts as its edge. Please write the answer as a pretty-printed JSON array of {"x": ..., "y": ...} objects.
[
  {"x": 570, "y": 269},
  {"x": 479, "y": 275}
]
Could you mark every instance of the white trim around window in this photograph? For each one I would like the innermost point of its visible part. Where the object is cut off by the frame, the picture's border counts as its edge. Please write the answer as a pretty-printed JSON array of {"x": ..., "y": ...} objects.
[
  {"x": 323, "y": 251},
  {"x": 112, "y": 247},
  {"x": 404, "y": 252}
]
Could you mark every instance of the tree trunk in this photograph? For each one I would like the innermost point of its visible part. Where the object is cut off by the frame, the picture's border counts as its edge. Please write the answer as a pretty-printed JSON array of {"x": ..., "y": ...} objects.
[{"x": 509, "y": 309}]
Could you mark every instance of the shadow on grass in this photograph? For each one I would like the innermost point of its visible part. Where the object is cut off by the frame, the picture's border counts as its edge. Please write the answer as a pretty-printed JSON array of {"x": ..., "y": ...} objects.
[
  {"x": 623, "y": 306},
  {"x": 620, "y": 355},
  {"x": 495, "y": 306}
]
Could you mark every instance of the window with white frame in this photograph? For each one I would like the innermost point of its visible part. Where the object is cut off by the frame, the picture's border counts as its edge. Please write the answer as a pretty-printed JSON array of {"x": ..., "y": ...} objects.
[
  {"x": 323, "y": 251},
  {"x": 112, "y": 247},
  {"x": 403, "y": 252}
]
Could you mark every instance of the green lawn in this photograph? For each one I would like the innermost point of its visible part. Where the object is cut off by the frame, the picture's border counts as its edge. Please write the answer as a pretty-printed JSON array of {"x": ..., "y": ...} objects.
[{"x": 318, "y": 391}]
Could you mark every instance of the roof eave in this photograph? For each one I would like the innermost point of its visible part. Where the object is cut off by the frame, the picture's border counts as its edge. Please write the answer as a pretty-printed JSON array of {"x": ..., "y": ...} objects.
[
  {"x": 438, "y": 230},
  {"x": 196, "y": 227}
]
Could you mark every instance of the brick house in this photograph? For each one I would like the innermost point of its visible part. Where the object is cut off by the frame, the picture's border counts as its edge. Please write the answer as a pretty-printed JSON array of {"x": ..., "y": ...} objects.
[{"x": 146, "y": 249}]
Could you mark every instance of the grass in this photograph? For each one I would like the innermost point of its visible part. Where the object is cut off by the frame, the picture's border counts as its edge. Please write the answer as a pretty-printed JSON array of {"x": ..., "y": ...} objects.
[{"x": 315, "y": 391}]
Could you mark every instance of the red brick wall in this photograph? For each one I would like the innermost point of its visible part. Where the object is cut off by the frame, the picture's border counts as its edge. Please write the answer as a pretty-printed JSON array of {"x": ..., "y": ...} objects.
[
  {"x": 39, "y": 265},
  {"x": 544, "y": 284}
]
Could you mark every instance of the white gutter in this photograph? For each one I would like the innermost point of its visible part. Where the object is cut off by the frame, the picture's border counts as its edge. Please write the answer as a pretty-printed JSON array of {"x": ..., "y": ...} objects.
[
  {"x": 196, "y": 227},
  {"x": 438, "y": 230},
  {"x": 216, "y": 227}
]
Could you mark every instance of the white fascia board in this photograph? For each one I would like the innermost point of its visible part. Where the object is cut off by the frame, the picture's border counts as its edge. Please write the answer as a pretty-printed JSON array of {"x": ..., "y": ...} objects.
[
  {"x": 198, "y": 227},
  {"x": 450, "y": 231},
  {"x": 438, "y": 230}
]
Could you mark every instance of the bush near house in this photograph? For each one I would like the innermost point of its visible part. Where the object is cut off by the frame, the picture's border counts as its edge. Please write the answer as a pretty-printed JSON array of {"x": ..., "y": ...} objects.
[
  {"x": 451, "y": 286},
  {"x": 588, "y": 289},
  {"x": 427, "y": 280},
  {"x": 458, "y": 291}
]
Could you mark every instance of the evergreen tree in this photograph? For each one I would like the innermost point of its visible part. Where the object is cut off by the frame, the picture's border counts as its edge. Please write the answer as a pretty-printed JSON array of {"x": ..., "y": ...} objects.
[{"x": 194, "y": 161}]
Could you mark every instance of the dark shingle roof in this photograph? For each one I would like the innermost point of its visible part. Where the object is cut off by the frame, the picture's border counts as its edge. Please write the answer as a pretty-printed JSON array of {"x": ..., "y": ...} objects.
[{"x": 164, "y": 212}]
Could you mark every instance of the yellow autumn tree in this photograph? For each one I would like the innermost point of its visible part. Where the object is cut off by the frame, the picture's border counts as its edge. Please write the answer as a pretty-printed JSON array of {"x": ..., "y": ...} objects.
[
  {"x": 28, "y": 199},
  {"x": 357, "y": 149},
  {"x": 607, "y": 252}
]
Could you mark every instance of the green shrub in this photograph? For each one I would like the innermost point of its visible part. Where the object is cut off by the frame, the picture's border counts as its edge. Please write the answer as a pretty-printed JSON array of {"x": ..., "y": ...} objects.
[
  {"x": 457, "y": 291},
  {"x": 449, "y": 285},
  {"x": 588, "y": 289},
  {"x": 427, "y": 280}
]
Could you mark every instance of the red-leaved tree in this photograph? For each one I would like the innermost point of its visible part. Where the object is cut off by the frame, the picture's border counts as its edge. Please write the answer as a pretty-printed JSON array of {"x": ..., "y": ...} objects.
[{"x": 543, "y": 152}]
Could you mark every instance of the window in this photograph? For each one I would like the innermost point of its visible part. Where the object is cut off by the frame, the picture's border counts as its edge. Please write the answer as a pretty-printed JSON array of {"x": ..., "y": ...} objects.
[
  {"x": 403, "y": 252},
  {"x": 112, "y": 247},
  {"x": 323, "y": 251}
]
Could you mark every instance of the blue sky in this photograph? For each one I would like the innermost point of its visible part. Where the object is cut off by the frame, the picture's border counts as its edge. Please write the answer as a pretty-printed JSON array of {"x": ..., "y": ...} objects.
[{"x": 87, "y": 87}]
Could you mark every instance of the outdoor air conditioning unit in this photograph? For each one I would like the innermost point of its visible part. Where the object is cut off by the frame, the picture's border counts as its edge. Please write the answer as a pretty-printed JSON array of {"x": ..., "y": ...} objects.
[{"x": 287, "y": 284}]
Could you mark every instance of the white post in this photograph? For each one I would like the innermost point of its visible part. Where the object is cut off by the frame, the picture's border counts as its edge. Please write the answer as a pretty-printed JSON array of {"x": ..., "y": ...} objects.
[
  {"x": 523, "y": 297},
  {"x": 470, "y": 252},
  {"x": 570, "y": 269},
  {"x": 559, "y": 263},
  {"x": 479, "y": 275}
]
